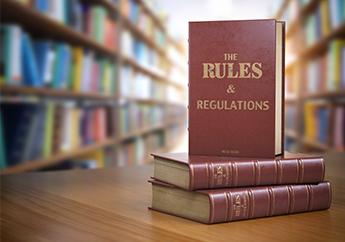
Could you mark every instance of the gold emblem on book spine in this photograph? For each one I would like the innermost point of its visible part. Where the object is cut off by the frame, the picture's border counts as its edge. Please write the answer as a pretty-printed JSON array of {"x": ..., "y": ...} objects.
[
  {"x": 219, "y": 175},
  {"x": 238, "y": 206}
]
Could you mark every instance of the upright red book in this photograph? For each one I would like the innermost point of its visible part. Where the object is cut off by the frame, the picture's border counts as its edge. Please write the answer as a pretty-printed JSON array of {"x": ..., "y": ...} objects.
[{"x": 236, "y": 88}]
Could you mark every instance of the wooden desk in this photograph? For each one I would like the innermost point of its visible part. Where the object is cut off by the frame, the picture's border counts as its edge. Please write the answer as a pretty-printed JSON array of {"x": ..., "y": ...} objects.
[{"x": 111, "y": 205}]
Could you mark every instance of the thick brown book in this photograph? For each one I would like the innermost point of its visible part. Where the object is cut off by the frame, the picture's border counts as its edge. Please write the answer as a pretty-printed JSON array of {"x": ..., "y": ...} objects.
[
  {"x": 224, "y": 205},
  {"x": 207, "y": 172},
  {"x": 236, "y": 88}
]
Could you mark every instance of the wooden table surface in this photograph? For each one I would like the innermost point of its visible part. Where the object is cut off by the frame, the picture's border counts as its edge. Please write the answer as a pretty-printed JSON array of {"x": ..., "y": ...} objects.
[{"x": 111, "y": 205}]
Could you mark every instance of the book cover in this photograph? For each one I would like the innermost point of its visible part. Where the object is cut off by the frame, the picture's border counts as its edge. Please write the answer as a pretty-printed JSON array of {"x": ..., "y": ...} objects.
[
  {"x": 205, "y": 172},
  {"x": 226, "y": 205},
  {"x": 339, "y": 128},
  {"x": 236, "y": 87},
  {"x": 42, "y": 5},
  {"x": 78, "y": 56},
  {"x": 2, "y": 146},
  {"x": 17, "y": 123},
  {"x": 45, "y": 59},
  {"x": 11, "y": 64},
  {"x": 30, "y": 140},
  {"x": 29, "y": 64},
  {"x": 48, "y": 129},
  {"x": 36, "y": 149},
  {"x": 57, "y": 128},
  {"x": 66, "y": 127},
  {"x": 58, "y": 66}
]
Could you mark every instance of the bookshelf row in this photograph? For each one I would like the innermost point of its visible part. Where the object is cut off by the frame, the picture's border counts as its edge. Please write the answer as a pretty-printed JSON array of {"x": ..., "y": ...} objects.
[
  {"x": 86, "y": 149},
  {"x": 315, "y": 74},
  {"x": 317, "y": 48},
  {"x": 13, "y": 92},
  {"x": 323, "y": 125},
  {"x": 309, "y": 144},
  {"x": 120, "y": 101},
  {"x": 39, "y": 24}
]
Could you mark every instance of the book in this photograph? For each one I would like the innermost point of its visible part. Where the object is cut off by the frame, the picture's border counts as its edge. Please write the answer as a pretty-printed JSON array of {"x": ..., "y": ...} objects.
[
  {"x": 11, "y": 46},
  {"x": 42, "y": 50},
  {"x": 317, "y": 120},
  {"x": 18, "y": 120},
  {"x": 339, "y": 128},
  {"x": 338, "y": 13},
  {"x": 27, "y": 153},
  {"x": 335, "y": 65},
  {"x": 226, "y": 205},
  {"x": 61, "y": 67},
  {"x": 193, "y": 172},
  {"x": 236, "y": 88},
  {"x": 343, "y": 69},
  {"x": 28, "y": 62},
  {"x": 37, "y": 147},
  {"x": 2, "y": 146},
  {"x": 48, "y": 129}
]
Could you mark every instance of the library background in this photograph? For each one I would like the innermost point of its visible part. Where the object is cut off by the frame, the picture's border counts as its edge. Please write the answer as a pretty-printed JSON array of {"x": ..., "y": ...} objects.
[{"x": 103, "y": 83}]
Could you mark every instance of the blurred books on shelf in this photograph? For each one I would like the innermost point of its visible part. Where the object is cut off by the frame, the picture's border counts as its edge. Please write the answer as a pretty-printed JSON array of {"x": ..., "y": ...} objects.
[
  {"x": 326, "y": 73},
  {"x": 315, "y": 74},
  {"x": 85, "y": 102},
  {"x": 92, "y": 20},
  {"x": 317, "y": 122},
  {"x": 39, "y": 130},
  {"x": 45, "y": 63}
]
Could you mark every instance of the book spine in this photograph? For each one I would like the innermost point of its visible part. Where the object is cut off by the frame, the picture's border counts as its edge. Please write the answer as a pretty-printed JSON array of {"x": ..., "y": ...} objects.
[
  {"x": 210, "y": 175},
  {"x": 247, "y": 203}
]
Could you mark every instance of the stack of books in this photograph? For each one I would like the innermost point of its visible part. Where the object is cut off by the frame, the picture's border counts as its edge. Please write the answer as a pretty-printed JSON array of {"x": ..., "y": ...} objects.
[{"x": 236, "y": 167}]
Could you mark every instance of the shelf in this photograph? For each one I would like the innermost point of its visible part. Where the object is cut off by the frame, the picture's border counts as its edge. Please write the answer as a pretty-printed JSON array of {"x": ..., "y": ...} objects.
[
  {"x": 60, "y": 157},
  {"x": 150, "y": 12},
  {"x": 290, "y": 66},
  {"x": 327, "y": 94},
  {"x": 149, "y": 101},
  {"x": 291, "y": 134},
  {"x": 141, "y": 68},
  {"x": 291, "y": 100},
  {"x": 304, "y": 12},
  {"x": 106, "y": 4},
  {"x": 141, "y": 35},
  {"x": 55, "y": 159},
  {"x": 281, "y": 10},
  {"x": 315, "y": 145},
  {"x": 321, "y": 46},
  {"x": 318, "y": 48},
  {"x": 147, "y": 71},
  {"x": 38, "y": 23},
  {"x": 41, "y": 25},
  {"x": 164, "y": 149},
  {"x": 149, "y": 129},
  {"x": 50, "y": 92},
  {"x": 176, "y": 44}
]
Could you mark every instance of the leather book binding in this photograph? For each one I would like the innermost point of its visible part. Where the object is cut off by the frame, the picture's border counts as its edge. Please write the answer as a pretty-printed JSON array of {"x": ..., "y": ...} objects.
[
  {"x": 232, "y": 204},
  {"x": 236, "y": 88},
  {"x": 207, "y": 172}
]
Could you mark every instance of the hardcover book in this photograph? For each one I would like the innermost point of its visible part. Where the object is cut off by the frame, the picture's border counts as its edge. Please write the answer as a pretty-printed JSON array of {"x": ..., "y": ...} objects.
[
  {"x": 236, "y": 88},
  {"x": 225, "y": 205},
  {"x": 208, "y": 172}
]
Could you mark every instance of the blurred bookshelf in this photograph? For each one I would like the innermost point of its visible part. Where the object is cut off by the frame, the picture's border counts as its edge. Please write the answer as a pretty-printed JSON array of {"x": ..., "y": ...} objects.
[
  {"x": 88, "y": 84},
  {"x": 314, "y": 74}
]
